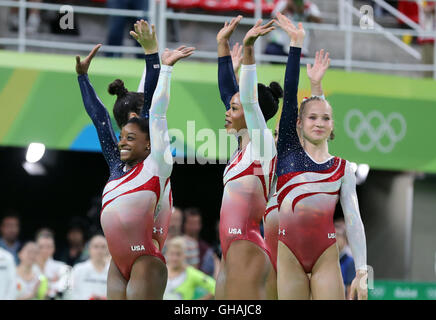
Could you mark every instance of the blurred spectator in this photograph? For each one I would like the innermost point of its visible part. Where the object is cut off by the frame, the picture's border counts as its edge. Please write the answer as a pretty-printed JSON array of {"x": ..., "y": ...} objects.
[
  {"x": 297, "y": 11},
  {"x": 55, "y": 271},
  {"x": 184, "y": 280},
  {"x": 75, "y": 251},
  {"x": 345, "y": 259},
  {"x": 117, "y": 24},
  {"x": 10, "y": 230},
  {"x": 174, "y": 227},
  {"x": 427, "y": 21},
  {"x": 8, "y": 282},
  {"x": 89, "y": 278},
  {"x": 30, "y": 285},
  {"x": 198, "y": 252},
  {"x": 217, "y": 250},
  {"x": 33, "y": 21}
]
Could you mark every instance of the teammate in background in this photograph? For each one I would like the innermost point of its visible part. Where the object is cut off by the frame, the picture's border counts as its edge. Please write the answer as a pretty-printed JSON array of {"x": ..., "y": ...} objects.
[
  {"x": 89, "y": 278},
  {"x": 30, "y": 284},
  {"x": 183, "y": 279},
  {"x": 310, "y": 182},
  {"x": 245, "y": 265},
  {"x": 140, "y": 165},
  {"x": 133, "y": 104},
  {"x": 55, "y": 271},
  {"x": 8, "y": 281},
  {"x": 345, "y": 259}
]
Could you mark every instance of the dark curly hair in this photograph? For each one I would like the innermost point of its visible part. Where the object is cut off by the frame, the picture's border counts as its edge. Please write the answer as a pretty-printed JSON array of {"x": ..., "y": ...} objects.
[
  {"x": 142, "y": 124},
  {"x": 126, "y": 102},
  {"x": 268, "y": 98}
]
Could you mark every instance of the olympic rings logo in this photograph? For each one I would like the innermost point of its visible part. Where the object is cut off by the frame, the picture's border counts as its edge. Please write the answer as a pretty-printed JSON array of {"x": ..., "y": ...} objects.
[{"x": 375, "y": 134}]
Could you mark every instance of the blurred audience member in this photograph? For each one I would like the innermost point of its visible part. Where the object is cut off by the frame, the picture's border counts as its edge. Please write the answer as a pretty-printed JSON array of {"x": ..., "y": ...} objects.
[
  {"x": 198, "y": 252},
  {"x": 10, "y": 230},
  {"x": 298, "y": 11},
  {"x": 174, "y": 227},
  {"x": 183, "y": 279},
  {"x": 8, "y": 281},
  {"x": 217, "y": 250},
  {"x": 33, "y": 21},
  {"x": 345, "y": 259},
  {"x": 75, "y": 251},
  {"x": 89, "y": 278},
  {"x": 427, "y": 21},
  {"x": 55, "y": 271},
  {"x": 30, "y": 285},
  {"x": 117, "y": 24}
]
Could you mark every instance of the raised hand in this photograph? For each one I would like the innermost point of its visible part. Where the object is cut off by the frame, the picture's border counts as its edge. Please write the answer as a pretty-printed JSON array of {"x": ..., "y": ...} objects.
[
  {"x": 320, "y": 66},
  {"x": 236, "y": 54},
  {"x": 295, "y": 34},
  {"x": 170, "y": 57},
  {"x": 226, "y": 32},
  {"x": 83, "y": 66},
  {"x": 146, "y": 38},
  {"x": 257, "y": 31}
]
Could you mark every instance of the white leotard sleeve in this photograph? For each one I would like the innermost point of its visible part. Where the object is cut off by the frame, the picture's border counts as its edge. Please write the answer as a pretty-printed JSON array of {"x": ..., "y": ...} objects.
[
  {"x": 260, "y": 136},
  {"x": 354, "y": 226},
  {"x": 159, "y": 139},
  {"x": 142, "y": 82}
]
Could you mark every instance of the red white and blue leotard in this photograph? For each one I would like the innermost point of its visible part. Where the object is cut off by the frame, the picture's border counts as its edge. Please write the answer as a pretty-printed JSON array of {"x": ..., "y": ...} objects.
[
  {"x": 130, "y": 198},
  {"x": 271, "y": 227},
  {"x": 308, "y": 191},
  {"x": 248, "y": 175}
]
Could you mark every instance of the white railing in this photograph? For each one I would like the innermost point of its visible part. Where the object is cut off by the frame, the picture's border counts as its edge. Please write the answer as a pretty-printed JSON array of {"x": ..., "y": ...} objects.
[{"x": 159, "y": 15}]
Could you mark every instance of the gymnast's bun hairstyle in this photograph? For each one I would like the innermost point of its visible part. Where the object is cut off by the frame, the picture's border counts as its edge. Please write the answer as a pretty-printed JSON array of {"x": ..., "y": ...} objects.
[
  {"x": 269, "y": 98},
  {"x": 126, "y": 102}
]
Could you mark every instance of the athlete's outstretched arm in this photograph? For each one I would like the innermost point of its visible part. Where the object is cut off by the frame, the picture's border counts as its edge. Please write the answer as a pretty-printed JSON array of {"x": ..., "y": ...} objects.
[
  {"x": 147, "y": 39},
  {"x": 254, "y": 119},
  {"x": 316, "y": 73},
  {"x": 96, "y": 111},
  {"x": 288, "y": 137},
  {"x": 227, "y": 82},
  {"x": 355, "y": 231},
  {"x": 159, "y": 139}
]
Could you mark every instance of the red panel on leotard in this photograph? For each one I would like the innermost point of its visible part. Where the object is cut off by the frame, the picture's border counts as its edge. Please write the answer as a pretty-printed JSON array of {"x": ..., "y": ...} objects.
[{"x": 307, "y": 202}]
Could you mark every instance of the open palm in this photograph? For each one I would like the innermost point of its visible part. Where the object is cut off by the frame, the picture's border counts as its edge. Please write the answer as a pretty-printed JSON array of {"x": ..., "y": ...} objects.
[
  {"x": 82, "y": 66},
  {"x": 320, "y": 66},
  {"x": 257, "y": 31},
  {"x": 170, "y": 57},
  {"x": 296, "y": 34},
  {"x": 146, "y": 38},
  {"x": 226, "y": 32}
]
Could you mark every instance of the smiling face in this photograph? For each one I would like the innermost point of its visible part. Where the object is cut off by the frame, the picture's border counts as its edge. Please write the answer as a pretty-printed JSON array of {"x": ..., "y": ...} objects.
[
  {"x": 235, "y": 118},
  {"x": 316, "y": 122},
  {"x": 134, "y": 145}
]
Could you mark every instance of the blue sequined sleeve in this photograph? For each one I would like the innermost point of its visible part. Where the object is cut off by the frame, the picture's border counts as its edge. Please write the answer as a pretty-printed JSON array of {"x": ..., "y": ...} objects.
[
  {"x": 102, "y": 122},
  {"x": 227, "y": 83},
  {"x": 288, "y": 138},
  {"x": 152, "y": 75}
]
